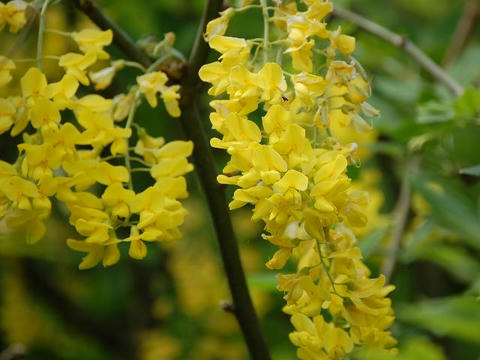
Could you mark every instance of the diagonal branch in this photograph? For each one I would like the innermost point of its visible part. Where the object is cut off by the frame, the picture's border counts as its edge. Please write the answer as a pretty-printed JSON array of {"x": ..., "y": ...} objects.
[
  {"x": 193, "y": 127},
  {"x": 464, "y": 29},
  {"x": 403, "y": 43}
]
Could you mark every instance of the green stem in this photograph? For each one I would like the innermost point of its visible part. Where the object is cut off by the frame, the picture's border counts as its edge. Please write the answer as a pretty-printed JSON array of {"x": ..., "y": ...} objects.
[
  {"x": 403, "y": 43},
  {"x": 193, "y": 126},
  {"x": 58, "y": 32},
  {"x": 136, "y": 65},
  {"x": 128, "y": 125},
  {"x": 41, "y": 32},
  {"x": 265, "y": 30}
]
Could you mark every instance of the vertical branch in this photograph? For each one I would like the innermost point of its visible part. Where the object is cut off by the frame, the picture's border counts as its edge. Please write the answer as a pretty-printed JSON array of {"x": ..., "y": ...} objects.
[
  {"x": 41, "y": 32},
  {"x": 193, "y": 127},
  {"x": 265, "y": 30},
  {"x": 400, "y": 217}
]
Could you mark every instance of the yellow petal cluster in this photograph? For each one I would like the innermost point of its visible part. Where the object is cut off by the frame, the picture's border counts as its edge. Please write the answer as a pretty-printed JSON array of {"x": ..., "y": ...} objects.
[
  {"x": 13, "y": 15},
  {"x": 155, "y": 82},
  {"x": 80, "y": 151},
  {"x": 277, "y": 127}
]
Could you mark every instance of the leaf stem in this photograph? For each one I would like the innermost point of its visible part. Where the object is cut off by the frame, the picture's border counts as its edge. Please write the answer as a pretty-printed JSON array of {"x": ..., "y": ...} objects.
[
  {"x": 41, "y": 33},
  {"x": 193, "y": 127},
  {"x": 403, "y": 43},
  {"x": 128, "y": 125},
  {"x": 265, "y": 31}
]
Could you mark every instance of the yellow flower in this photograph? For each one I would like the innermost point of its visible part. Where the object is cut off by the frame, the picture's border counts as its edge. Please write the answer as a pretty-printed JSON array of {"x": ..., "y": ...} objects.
[
  {"x": 122, "y": 105},
  {"x": 219, "y": 25},
  {"x": 93, "y": 41},
  {"x": 153, "y": 83},
  {"x": 6, "y": 65},
  {"x": 13, "y": 14},
  {"x": 7, "y": 115},
  {"x": 76, "y": 64},
  {"x": 137, "y": 249},
  {"x": 150, "y": 84},
  {"x": 103, "y": 78},
  {"x": 118, "y": 199},
  {"x": 33, "y": 83},
  {"x": 62, "y": 92},
  {"x": 31, "y": 222},
  {"x": 272, "y": 82},
  {"x": 19, "y": 191},
  {"x": 170, "y": 98},
  {"x": 293, "y": 171},
  {"x": 344, "y": 43},
  {"x": 44, "y": 113},
  {"x": 108, "y": 254}
]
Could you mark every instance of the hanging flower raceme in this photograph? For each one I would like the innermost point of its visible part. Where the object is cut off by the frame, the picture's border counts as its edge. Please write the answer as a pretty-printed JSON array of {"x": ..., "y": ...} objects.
[
  {"x": 88, "y": 163},
  {"x": 292, "y": 171}
]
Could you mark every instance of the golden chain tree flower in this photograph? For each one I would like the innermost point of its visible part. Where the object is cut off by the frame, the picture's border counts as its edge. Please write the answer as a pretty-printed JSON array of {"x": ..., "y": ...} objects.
[
  {"x": 292, "y": 170},
  {"x": 88, "y": 163}
]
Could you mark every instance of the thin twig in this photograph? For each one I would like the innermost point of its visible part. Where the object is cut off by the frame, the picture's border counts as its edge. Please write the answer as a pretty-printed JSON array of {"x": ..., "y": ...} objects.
[
  {"x": 192, "y": 125},
  {"x": 463, "y": 30},
  {"x": 41, "y": 32},
  {"x": 403, "y": 43},
  {"x": 400, "y": 216}
]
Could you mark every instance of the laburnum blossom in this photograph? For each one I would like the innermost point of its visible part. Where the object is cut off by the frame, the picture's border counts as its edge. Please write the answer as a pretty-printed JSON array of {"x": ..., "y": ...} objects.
[
  {"x": 13, "y": 14},
  {"x": 6, "y": 66},
  {"x": 93, "y": 41},
  {"x": 292, "y": 171},
  {"x": 155, "y": 82},
  {"x": 103, "y": 78},
  {"x": 87, "y": 163}
]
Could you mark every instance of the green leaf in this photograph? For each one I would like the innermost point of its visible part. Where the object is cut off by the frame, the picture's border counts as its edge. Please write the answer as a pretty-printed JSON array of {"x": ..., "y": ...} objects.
[
  {"x": 417, "y": 240},
  {"x": 473, "y": 171},
  {"x": 411, "y": 349},
  {"x": 452, "y": 207},
  {"x": 456, "y": 260},
  {"x": 435, "y": 112},
  {"x": 468, "y": 104},
  {"x": 466, "y": 69},
  {"x": 371, "y": 242},
  {"x": 457, "y": 317},
  {"x": 263, "y": 281}
]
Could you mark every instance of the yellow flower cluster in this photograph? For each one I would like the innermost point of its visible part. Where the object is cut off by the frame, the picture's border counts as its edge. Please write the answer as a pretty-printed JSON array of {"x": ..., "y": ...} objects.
[
  {"x": 293, "y": 171},
  {"x": 13, "y": 14},
  {"x": 86, "y": 160}
]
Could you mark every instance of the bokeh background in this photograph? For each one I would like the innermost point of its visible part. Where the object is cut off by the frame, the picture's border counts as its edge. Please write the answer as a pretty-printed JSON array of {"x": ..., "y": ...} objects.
[{"x": 424, "y": 148}]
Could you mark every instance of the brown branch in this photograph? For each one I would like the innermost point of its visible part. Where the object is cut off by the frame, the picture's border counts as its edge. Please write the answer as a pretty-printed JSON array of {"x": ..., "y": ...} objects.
[
  {"x": 400, "y": 220},
  {"x": 464, "y": 28},
  {"x": 403, "y": 43},
  {"x": 193, "y": 127}
]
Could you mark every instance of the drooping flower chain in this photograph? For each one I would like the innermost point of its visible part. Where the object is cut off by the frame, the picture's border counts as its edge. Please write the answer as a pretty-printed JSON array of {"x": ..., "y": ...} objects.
[
  {"x": 293, "y": 171},
  {"x": 72, "y": 160}
]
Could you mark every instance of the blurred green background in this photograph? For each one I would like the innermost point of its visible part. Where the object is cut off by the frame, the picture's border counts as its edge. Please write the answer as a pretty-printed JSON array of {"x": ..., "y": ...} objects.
[{"x": 168, "y": 306}]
